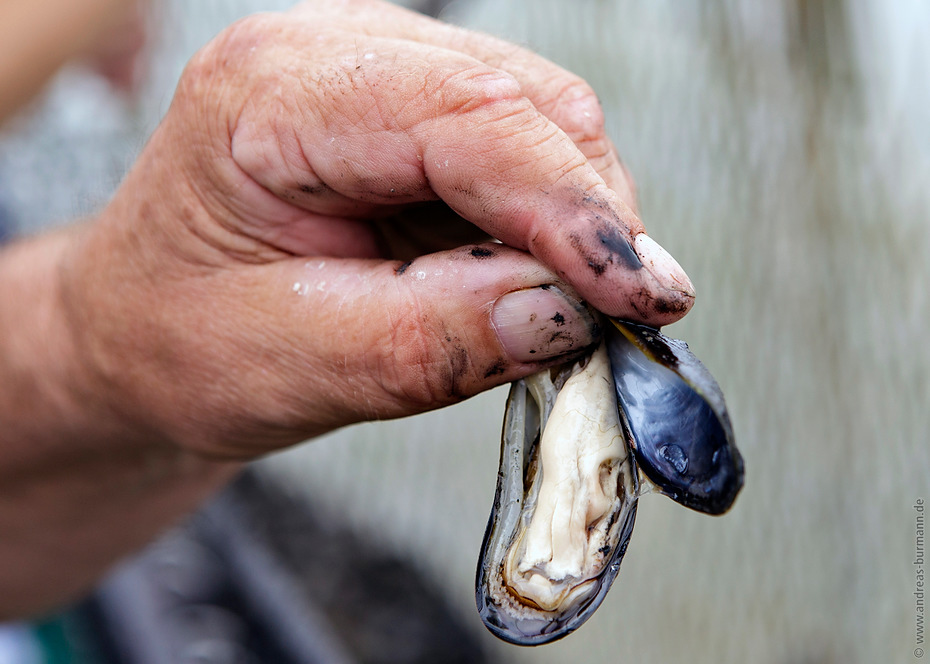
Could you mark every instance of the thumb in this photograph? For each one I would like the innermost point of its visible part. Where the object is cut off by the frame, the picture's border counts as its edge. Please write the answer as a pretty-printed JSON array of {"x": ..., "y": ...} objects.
[
  {"x": 420, "y": 335},
  {"x": 352, "y": 340}
]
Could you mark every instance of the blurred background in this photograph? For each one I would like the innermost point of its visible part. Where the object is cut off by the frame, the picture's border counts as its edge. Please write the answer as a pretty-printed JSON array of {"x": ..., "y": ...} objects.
[{"x": 782, "y": 154}]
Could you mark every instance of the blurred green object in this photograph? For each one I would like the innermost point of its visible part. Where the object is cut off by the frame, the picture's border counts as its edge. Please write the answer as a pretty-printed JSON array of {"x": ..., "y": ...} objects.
[
  {"x": 53, "y": 638},
  {"x": 71, "y": 637}
]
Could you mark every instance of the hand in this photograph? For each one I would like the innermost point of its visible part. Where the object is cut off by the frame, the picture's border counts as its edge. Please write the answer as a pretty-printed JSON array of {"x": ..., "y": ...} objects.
[
  {"x": 247, "y": 287},
  {"x": 295, "y": 251}
]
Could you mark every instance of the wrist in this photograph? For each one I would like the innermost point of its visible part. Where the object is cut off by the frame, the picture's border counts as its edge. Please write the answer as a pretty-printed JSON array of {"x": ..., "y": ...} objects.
[
  {"x": 38, "y": 365},
  {"x": 70, "y": 387},
  {"x": 76, "y": 472}
]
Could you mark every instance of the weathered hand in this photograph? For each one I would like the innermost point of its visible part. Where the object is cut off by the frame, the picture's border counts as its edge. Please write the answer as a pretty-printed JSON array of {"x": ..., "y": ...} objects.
[
  {"x": 247, "y": 286},
  {"x": 295, "y": 251}
]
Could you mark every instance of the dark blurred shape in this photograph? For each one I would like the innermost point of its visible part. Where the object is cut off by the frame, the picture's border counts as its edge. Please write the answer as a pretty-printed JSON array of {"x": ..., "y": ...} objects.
[
  {"x": 256, "y": 577},
  {"x": 433, "y": 8},
  {"x": 6, "y": 224}
]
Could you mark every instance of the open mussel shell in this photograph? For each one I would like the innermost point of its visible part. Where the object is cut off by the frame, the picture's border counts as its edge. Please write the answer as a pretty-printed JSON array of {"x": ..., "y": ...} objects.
[
  {"x": 680, "y": 430},
  {"x": 564, "y": 507}
]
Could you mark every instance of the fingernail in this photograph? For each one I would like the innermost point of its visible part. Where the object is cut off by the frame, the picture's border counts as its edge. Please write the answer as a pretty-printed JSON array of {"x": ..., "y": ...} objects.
[
  {"x": 661, "y": 265},
  {"x": 541, "y": 323}
]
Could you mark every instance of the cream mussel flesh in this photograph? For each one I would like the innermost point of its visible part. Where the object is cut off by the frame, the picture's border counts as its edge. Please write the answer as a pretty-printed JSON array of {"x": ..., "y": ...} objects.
[
  {"x": 564, "y": 507},
  {"x": 674, "y": 410}
]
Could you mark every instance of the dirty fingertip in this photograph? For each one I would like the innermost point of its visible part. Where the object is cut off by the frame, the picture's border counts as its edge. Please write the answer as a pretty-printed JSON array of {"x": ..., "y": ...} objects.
[
  {"x": 542, "y": 323},
  {"x": 664, "y": 269}
]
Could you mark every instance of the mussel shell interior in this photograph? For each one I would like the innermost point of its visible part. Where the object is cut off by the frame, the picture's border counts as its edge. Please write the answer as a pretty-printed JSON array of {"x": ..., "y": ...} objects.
[
  {"x": 503, "y": 612},
  {"x": 674, "y": 409}
]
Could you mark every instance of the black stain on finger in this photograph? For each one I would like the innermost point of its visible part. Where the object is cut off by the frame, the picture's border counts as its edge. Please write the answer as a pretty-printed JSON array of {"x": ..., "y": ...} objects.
[
  {"x": 400, "y": 269},
  {"x": 637, "y": 300},
  {"x": 604, "y": 243},
  {"x": 459, "y": 371},
  {"x": 620, "y": 251},
  {"x": 609, "y": 247},
  {"x": 314, "y": 189},
  {"x": 496, "y": 369},
  {"x": 562, "y": 337},
  {"x": 481, "y": 252},
  {"x": 673, "y": 306},
  {"x": 597, "y": 264}
]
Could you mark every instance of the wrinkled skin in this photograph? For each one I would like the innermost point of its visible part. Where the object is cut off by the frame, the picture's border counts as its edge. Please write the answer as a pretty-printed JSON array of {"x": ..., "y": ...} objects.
[
  {"x": 323, "y": 127},
  {"x": 247, "y": 286}
]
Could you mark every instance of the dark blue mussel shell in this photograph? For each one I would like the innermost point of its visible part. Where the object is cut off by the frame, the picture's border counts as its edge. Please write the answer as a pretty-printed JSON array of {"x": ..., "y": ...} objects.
[{"x": 676, "y": 417}]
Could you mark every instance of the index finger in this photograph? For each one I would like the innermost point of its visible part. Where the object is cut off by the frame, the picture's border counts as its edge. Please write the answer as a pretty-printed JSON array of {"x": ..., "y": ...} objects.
[
  {"x": 562, "y": 96},
  {"x": 389, "y": 121}
]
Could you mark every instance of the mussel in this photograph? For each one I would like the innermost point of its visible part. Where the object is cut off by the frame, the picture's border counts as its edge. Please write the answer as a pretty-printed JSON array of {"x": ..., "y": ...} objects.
[
  {"x": 568, "y": 484},
  {"x": 677, "y": 420},
  {"x": 564, "y": 507}
]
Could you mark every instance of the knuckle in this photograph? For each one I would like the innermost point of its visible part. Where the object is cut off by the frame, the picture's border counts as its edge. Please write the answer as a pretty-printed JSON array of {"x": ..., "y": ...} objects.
[
  {"x": 217, "y": 78},
  {"x": 254, "y": 30},
  {"x": 234, "y": 44},
  {"x": 581, "y": 116},
  {"x": 421, "y": 367},
  {"x": 472, "y": 88}
]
